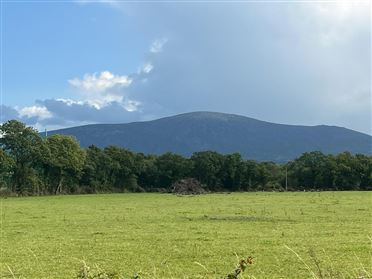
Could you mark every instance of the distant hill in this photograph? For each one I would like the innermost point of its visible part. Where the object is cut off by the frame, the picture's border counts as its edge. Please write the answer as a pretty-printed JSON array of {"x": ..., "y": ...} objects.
[{"x": 224, "y": 133}]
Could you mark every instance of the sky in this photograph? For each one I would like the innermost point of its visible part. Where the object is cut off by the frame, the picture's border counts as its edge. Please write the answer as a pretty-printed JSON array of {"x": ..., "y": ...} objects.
[{"x": 70, "y": 63}]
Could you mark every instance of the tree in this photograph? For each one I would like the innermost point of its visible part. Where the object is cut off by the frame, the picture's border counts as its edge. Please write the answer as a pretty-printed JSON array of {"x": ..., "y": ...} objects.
[
  {"x": 31, "y": 165},
  {"x": 171, "y": 167},
  {"x": 272, "y": 176},
  {"x": 311, "y": 171},
  {"x": 122, "y": 168},
  {"x": 232, "y": 171},
  {"x": 6, "y": 166},
  {"x": 96, "y": 170},
  {"x": 364, "y": 168},
  {"x": 28, "y": 151},
  {"x": 147, "y": 172},
  {"x": 66, "y": 161},
  {"x": 249, "y": 174},
  {"x": 207, "y": 168},
  {"x": 347, "y": 172}
]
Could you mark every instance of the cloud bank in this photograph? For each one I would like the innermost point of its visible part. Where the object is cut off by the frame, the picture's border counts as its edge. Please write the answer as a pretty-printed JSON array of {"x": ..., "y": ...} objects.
[{"x": 296, "y": 63}]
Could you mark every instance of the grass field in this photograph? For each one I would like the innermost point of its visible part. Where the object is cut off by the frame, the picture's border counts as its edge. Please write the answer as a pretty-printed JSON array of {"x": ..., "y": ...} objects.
[{"x": 166, "y": 236}]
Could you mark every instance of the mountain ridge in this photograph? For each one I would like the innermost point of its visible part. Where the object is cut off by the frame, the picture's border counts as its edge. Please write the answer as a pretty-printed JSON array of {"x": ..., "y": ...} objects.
[{"x": 225, "y": 133}]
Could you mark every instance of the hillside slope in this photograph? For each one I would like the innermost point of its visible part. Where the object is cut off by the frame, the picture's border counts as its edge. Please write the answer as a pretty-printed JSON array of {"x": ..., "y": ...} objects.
[{"x": 224, "y": 133}]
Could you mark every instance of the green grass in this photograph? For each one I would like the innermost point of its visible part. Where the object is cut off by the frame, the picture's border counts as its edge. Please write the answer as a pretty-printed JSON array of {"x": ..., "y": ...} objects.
[{"x": 165, "y": 236}]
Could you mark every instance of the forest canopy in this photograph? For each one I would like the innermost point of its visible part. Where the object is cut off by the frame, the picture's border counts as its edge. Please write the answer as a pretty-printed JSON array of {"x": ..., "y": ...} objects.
[{"x": 33, "y": 165}]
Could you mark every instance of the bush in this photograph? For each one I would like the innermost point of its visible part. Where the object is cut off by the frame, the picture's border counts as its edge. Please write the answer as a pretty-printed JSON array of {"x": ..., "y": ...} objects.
[
  {"x": 6, "y": 192},
  {"x": 188, "y": 186}
]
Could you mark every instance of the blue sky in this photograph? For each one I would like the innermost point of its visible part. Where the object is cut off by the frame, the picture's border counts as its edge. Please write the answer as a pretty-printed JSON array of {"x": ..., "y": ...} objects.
[
  {"x": 80, "y": 62},
  {"x": 49, "y": 43}
]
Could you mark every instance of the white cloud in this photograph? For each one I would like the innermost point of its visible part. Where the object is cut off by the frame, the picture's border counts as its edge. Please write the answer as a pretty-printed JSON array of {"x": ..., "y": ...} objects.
[
  {"x": 296, "y": 58},
  {"x": 100, "y": 83},
  {"x": 342, "y": 10},
  {"x": 147, "y": 68},
  {"x": 102, "y": 98},
  {"x": 100, "y": 90},
  {"x": 73, "y": 113},
  {"x": 39, "y": 112},
  {"x": 131, "y": 105},
  {"x": 70, "y": 102},
  {"x": 337, "y": 21},
  {"x": 157, "y": 45}
]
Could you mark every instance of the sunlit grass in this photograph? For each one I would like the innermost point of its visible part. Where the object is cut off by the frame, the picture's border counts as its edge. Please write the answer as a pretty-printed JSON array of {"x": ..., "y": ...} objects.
[{"x": 289, "y": 235}]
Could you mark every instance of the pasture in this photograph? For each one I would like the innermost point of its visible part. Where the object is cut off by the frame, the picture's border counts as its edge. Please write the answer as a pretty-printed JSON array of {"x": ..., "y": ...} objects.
[{"x": 289, "y": 235}]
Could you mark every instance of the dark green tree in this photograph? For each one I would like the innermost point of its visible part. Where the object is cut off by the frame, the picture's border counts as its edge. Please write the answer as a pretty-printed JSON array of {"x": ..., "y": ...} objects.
[
  {"x": 207, "y": 168},
  {"x": 348, "y": 176},
  {"x": 65, "y": 163},
  {"x": 148, "y": 172},
  {"x": 364, "y": 169},
  {"x": 309, "y": 171},
  {"x": 122, "y": 168},
  {"x": 170, "y": 168},
  {"x": 31, "y": 165},
  {"x": 96, "y": 171},
  {"x": 29, "y": 153},
  {"x": 7, "y": 165},
  {"x": 232, "y": 172}
]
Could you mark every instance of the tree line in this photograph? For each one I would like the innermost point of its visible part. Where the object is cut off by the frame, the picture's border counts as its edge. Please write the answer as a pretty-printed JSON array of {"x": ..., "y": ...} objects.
[{"x": 33, "y": 165}]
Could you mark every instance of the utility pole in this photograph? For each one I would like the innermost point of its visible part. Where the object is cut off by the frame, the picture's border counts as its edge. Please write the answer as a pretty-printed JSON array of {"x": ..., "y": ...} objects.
[{"x": 286, "y": 179}]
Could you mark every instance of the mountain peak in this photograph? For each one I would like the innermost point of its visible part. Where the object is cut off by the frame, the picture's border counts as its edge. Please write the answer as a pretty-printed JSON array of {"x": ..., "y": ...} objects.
[{"x": 225, "y": 133}]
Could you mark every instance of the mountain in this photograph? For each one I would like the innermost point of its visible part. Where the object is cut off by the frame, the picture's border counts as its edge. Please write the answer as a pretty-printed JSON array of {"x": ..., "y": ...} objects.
[{"x": 224, "y": 133}]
